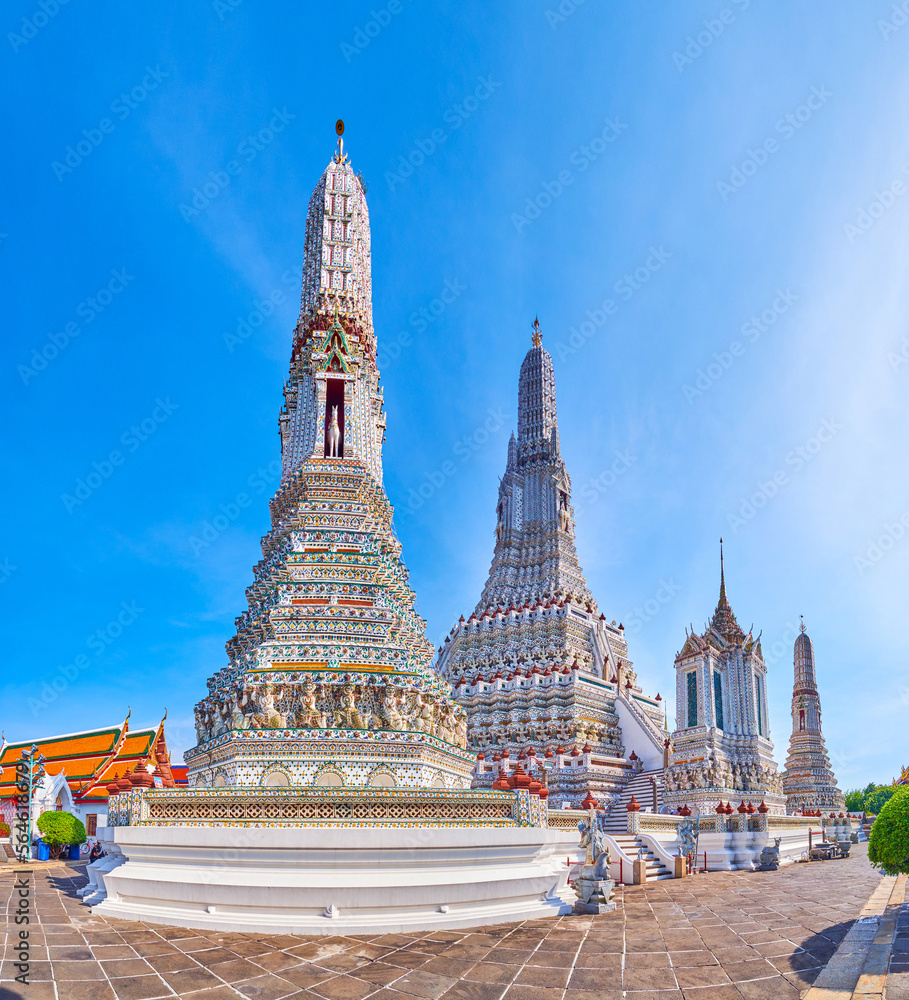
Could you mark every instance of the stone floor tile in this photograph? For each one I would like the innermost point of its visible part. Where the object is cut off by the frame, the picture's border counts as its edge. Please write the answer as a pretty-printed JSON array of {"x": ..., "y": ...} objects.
[
  {"x": 473, "y": 991},
  {"x": 541, "y": 976},
  {"x": 239, "y": 969},
  {"x": 423, "y": 984},
  {"x": 266, "y": 987},
  {"x": 407, "y": 959},
  {"x": 38, "y": 971},
  {"x": 342, "y": 988},
  {"x": 689, "y": 959},
  {"x": 33, "y": 991},
  {"x": 188, "y": 980},
  {"x": 740, "y": 972},
  {"x": 550, "y": 959},
  {"x": 141, "y": 988},
  {"x": 647, "y": 960},
  {"x": 117, "y": 968},
  {"x": 442, "y": 965},
  {"x": 648, "y": 979},
  {"x": 713, "y": 993},
  {"x": 702, "y": 975},
  {"x": 69, "y": 953},
  {"x": 516, "y": 992},
  {"x": 108, "y": 951},
  {"x": 509, "y": 956},
  {"x": 85, "y": 991},
  {"x": 222, "y": 993},
  {"x": 492, "y": 972},
  {"x": 765, "y": 989},
  {"x": 379, "y": 973},
  {"x": 64, "y": 971},
  {"x": 341, "y": 962},
  {"x": 173, "y": 962},
  {"x": 187, "y": 944},
  {"x": 796, "y": 963},
  {"x": 102, "y": 937},
  {"x": 669, "y": 994}
]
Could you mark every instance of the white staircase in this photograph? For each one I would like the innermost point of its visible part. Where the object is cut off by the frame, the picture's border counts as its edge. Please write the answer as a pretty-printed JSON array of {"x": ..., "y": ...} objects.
[
  {"x": 616, "y": 824},
  {"x": 639, "y": 786}
]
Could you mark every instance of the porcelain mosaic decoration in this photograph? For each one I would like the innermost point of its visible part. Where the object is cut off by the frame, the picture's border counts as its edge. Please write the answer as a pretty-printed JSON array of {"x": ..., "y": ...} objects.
[{"x": 328, "y": 681}]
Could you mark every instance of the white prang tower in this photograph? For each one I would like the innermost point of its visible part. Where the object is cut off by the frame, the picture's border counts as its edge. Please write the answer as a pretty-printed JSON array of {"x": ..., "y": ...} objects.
[
  {"x": 721, "y": 749},
  {"x": 329, "y": 681},
  {"x": 809, "y": 781},
  {"x": 544, "y": 677}
]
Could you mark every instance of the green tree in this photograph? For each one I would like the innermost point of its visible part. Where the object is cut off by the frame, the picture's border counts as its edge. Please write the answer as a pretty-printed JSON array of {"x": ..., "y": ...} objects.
[
  {"x": 876, "y": 800},
  {"x": 60, "y": 829},
  {"x": 888, "y": 847},
  {"x": 855, "y": 801}
]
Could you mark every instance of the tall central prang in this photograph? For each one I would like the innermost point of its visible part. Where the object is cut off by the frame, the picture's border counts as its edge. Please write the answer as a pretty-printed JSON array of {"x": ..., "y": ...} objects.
[
  {"x": 544, "y": 677},
  {"x": 329, "y": 679}
]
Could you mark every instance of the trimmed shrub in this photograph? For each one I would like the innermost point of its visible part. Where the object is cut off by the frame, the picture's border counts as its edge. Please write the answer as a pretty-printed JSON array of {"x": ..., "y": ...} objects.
[
  {"x": 60, "y": 829},
  {"x": 4, "y": 829},
  {"x": 888, "y": 848}
]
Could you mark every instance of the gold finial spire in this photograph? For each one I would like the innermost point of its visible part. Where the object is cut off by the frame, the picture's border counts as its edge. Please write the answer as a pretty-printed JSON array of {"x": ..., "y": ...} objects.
[
  {"x": 537, "y": 336},
  {"x": 802, "y": 626},
  {"x": 340, "y": 156}
]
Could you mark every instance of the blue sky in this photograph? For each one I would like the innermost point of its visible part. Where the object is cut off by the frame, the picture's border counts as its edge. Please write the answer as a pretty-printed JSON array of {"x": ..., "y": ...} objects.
[{"x": 732, "y": 178}]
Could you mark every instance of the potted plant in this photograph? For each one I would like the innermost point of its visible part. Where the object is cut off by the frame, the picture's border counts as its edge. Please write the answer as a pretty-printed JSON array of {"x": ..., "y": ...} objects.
[{"x": 61, "y": 830}]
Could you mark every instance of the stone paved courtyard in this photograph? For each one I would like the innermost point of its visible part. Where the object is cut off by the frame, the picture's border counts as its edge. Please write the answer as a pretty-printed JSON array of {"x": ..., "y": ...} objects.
[{"x": 723, "y": 936}]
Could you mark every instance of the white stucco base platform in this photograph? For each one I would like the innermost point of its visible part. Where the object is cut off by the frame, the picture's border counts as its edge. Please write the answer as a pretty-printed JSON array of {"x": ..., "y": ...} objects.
[{"x": 318, "y": 880}]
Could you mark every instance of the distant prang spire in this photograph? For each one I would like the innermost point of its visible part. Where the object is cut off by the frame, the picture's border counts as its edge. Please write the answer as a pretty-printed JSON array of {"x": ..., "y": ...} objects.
[{"x": 535, "y": 556}]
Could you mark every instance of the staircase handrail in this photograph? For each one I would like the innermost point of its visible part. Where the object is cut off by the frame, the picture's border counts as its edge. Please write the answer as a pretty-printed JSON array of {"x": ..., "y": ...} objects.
[{"x": 650, "y": 727}]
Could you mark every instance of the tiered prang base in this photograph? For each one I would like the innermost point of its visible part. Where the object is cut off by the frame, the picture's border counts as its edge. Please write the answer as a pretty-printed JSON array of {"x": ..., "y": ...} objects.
[{"x": 260, "y": 860}]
